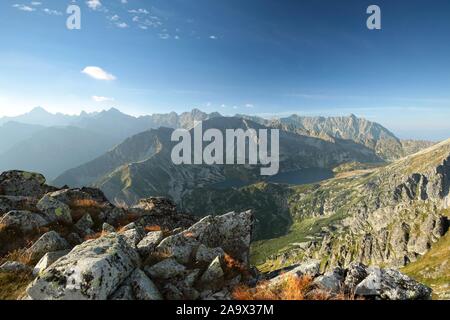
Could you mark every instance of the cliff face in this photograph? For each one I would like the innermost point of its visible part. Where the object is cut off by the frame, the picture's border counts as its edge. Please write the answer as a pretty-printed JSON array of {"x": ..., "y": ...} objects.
[
  {"x": 359, "y": 130},
  {"x": 388, "y": 216}
]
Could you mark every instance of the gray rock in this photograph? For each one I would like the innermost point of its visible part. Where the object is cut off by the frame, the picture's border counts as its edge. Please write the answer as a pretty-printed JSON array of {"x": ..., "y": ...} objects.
[
  {"x": 13, "y": 267},
  {"x": 107, "y": 228},
  {"x": 206, "y": 255},
  {"x": 22, "y": 183},
  {"x": 91, "y": 271},
  {"x": 124, "y": 292},
  {"x": 11, "y": 203},
  {"x": 147, "y": 245},
  {"x": 165, "y": 269},
  {"x": 134, "y": 236},
  {"x": 143, "y": 287},
  {"x": 232, "y": 232},
  {"x": 84, "y": 225},
  {"x": 23, "y": 221},
  {"x": 129, "y": 226},
  {"x": 310, "y": 268},
  {"x": 54, "y": 210},
  {"x": 213, "y": 277},
  {"x": 113, "y": 215},
  {"x": 391, "y": 284},
  {"x": 355, "y": 274},
  {"x": 331, "y": 281},
  {"x": 47, "y": 260},
  {"x": 74, "y": 239},
  {"x": 48, "y": 242}
]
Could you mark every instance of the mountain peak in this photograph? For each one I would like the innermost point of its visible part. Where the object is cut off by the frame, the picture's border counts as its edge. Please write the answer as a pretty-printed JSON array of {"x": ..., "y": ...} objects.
[
  {"x": 39, "y": 110},
  {"x": 114, "y": 111}
]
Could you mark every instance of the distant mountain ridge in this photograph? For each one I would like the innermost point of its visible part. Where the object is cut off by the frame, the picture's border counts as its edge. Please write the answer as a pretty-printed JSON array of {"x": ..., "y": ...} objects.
[
  {"x": 109, "y": 128},
  {"x": 53, "y": 143},
  {"x": 141, "y": 166},
  {"x": 359, "y": 130}
]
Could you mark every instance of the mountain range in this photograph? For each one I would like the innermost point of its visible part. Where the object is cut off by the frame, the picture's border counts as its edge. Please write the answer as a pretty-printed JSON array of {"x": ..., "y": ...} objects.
[
  {"x": 348, "y": 189},
  {"x": 53, "y": 143},
  {"x": 141, "y": 166}
]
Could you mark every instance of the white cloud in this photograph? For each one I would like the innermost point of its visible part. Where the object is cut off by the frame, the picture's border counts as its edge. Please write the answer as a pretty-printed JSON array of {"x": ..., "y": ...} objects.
[
  {"x": 114, "y": 18},
  {"x": 213, "y": 37},
  {"x": 98, "y": 73},
  {"x": 139, "y": 11},
  {"x": 101, "y": 99},
  {"x": 36, "y": 3},
  {"x": 164, "y": 36},
  {"x": 94, "y": 4},
  {"x": 52, "y": 12},
  {"x": 122, "y": 25},
  {"x": 23, "y": 7},
  {"x": 249, "y": 105}
]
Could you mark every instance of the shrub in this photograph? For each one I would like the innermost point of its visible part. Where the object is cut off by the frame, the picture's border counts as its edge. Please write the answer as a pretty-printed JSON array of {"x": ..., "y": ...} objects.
[{"x": 290, "y": 288}]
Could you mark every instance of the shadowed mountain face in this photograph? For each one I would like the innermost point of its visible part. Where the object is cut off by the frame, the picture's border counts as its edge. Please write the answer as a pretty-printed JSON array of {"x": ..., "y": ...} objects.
[
  {"x": 61, "y": 142},
  {"x": 53, "y": 150},
  {"x": 141, "y": 166},
  {"x": 12, "y": 133}
]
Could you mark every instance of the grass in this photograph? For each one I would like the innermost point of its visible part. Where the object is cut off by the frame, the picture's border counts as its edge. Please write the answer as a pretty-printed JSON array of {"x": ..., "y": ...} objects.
[
  {"x": 80, "y": 207},
  {"x": 19, "y": 255},
  {"x": 291, "y": 288},
  {"x": 433, "y": 269},
  {"x": 13, "y": 285},
  {"x": 299, "y": 232}
]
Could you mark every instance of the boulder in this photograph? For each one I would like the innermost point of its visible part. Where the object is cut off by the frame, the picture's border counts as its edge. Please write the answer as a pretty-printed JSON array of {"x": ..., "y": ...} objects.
[
  {"x": 124, "y": 292},
  {"x": 10, "y": 203},
  {"x": 24, "y": 221},
  {"x": 14, "y": 267},
  {"x": 21, "y": 183},
  {"x": 206, "y": 255},
  {"x": 213, "y": 277},
  {"x": 389, "y": 284},
  {"x": 113, "y": 214},
  {"x": 91, "y": 271},
  {"x": 107, "y": 228},
  {"x": 74, "y": 239},
  {"x": 310, "y": 268},
  {"x": 54, "y": 210},
  {"x": 48, "y": 242},
  {"x": 356, "y": 273},
  {"x": 161, "y": 212},
  {"x": 134, "y": 236},
  {"x": 157, "y": 206},
  {"x": 84, "y": 225},
  {"x": 231, "y": 232},
  {"x": 165, "y": 269},
  {"x": 147, "y": 245},
  {"x": 47, "y": 260},
  {"x": 331, "y": 281},
  {"x": 143, "y": 288},
  {"x": 137, "y": 287}
]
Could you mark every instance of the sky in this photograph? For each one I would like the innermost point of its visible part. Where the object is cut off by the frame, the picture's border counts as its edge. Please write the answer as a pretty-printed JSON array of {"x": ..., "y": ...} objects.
[{"x": 262, "y": 57}]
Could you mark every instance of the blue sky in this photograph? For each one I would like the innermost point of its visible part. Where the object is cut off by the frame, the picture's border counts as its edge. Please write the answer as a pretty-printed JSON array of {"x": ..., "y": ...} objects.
[{"x": 265, "y": 57}]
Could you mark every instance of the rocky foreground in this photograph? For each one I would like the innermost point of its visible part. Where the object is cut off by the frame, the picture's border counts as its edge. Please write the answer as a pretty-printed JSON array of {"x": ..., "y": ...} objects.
[{"x": 60, "y": 244}]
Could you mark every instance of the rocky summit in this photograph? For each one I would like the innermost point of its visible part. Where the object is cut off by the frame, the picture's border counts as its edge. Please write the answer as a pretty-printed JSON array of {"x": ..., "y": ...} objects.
[{"x": 73, "y": 244}]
